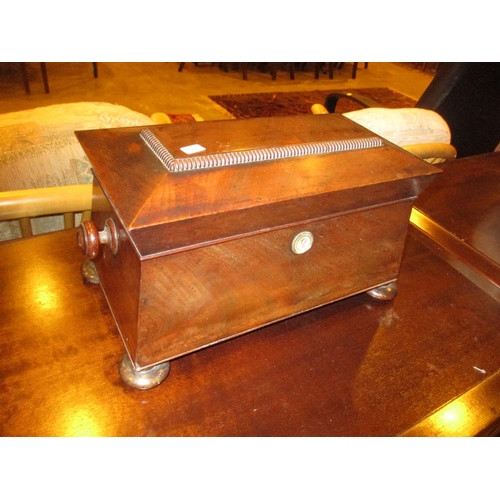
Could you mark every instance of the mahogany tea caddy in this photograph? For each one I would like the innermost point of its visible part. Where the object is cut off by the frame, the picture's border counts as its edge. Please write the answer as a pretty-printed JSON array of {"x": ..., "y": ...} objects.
[{"x": 204, "y": 231}]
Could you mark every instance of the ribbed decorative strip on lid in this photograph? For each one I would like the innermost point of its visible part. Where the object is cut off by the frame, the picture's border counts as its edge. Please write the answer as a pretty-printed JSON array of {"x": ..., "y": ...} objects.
[{"x": 253, "y": 155}]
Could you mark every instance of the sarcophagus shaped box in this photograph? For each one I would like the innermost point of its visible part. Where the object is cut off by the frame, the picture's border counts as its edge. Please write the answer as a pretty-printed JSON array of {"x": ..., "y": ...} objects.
[{"x": 204, "y": 231}]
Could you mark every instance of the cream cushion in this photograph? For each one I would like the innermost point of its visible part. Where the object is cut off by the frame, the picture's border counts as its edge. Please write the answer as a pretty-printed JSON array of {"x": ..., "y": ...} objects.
[
  {"x": 38, "y": 148},
  {"x": 403, "y": 126}
]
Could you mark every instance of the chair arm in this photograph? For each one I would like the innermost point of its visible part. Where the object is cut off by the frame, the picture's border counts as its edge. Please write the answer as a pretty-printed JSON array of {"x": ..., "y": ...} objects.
[
  {"x": 365, "y": 102},
  {"x": 45, "y": 201},
  {"x": 433, "y": 152},
  {"x": 319, "y": 109}
]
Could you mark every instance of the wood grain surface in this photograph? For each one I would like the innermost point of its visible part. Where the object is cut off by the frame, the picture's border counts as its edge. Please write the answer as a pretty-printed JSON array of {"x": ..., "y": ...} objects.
[
  {"x": 357, "y": 367},
  {"x": 427, "y": 363}
]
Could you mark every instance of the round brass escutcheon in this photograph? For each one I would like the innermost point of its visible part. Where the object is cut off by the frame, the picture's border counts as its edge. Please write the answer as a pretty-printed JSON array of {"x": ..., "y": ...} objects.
[{"x": 302, "y": 242}]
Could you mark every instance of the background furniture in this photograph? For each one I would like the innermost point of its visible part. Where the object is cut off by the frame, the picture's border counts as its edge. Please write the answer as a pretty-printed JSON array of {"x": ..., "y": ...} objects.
[
  {"x": 421, "y": 132},
  {"x": 24, "y": 73},
  {"x": 224, "y": 67},
  {"x": 466, "y": 96},
  {"x": 427, "y": 363},
  {"x": 319, "y": 66},
  {"x": 38, "y": 149},
  {"x": 43, "y": 69},
  {"x": 273, "y": 68},
  {"x": 25, "y": 205},
  {"x": 354, "y": 68}
]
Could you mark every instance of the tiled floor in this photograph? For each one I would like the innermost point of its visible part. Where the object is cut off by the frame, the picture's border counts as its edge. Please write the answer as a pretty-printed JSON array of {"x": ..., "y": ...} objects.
[{"x": 160, "y": 87}]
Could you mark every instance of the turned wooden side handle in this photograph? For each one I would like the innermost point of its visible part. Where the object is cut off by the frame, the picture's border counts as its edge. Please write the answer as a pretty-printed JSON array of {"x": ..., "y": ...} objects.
[{"x": 88, "y": 239}]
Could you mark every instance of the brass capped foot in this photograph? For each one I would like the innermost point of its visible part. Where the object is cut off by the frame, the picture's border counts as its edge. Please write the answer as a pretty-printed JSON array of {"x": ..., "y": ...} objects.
[
  {"x": 89, "y": 272},
  {"x": 384, "y": 292},
  {"x": 144, "y": 379}
]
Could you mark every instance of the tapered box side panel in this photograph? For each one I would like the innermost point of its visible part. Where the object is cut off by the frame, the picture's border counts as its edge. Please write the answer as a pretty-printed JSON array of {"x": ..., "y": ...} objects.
[
  {"x": 192, "y": 299},
  {"x": 119, "y": 274}
]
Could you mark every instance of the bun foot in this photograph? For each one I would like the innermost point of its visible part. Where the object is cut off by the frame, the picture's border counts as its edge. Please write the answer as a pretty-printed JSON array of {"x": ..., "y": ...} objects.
[
  {"x": 144, "y": 379},
  {"x": 384, "y": 292},
  {"x": 89, "y": 272}
]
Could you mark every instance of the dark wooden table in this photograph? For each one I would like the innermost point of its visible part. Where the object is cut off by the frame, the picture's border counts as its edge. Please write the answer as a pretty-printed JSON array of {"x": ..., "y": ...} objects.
[{"x": 427, "y": 363}]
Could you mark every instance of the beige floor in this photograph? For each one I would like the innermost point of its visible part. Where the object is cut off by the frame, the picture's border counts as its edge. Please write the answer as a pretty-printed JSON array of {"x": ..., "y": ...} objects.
[{"x": 159, "y": 87}]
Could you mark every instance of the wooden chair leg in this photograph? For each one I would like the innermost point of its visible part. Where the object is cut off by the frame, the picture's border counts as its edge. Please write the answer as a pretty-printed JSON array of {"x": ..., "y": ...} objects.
[
  {"x": 292, "y": 71},
  {"x": 244, "y": 67},
  {"x": 24, "y": 73},
  {"x": 25, "y": 224},
  {"x": 69, "y": 220},
  {"x": 181, "y": 66},
  {"x": 317, "y": 68},
  {"x": 274, "y": 70},
  {"x": 96, "y": 73},
  {"x": 354, "y": 70},
  {"x": 45, "y": 79}
]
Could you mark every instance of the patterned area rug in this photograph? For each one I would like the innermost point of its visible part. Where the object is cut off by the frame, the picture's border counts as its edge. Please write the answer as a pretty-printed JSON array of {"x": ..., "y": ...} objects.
[
  {"x": 169, "y": 118},
  {"x": 296, "y": 103}
]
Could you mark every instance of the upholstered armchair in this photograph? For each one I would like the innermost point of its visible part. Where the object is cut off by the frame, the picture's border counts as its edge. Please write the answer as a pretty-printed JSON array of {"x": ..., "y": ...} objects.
[
  {"x": 43, "y": 168},
  {"x": 421, "y": 132},
  {"x": 465, "y": 96}
]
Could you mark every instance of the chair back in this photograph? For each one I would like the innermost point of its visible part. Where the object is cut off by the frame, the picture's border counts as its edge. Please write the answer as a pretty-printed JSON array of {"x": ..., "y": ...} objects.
[{"x": 467, "y": 96}]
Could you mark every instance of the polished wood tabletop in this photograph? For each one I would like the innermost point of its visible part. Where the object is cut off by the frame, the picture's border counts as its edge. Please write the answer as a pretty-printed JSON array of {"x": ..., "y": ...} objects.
[
  {"x": 465, "y": 200},
  {"x": 459, "y": 218},
  {"x": 425, "y": 363}
]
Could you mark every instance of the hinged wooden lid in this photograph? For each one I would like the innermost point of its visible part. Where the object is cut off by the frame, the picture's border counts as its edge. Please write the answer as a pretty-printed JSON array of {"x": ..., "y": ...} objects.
[{"x": 234, "y": 171}]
